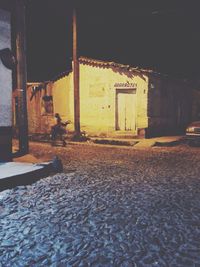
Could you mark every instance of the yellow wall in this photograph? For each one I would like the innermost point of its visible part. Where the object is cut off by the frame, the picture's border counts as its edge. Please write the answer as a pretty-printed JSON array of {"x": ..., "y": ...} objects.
[
  {"x": 98, "y": 98},
  {"x": 63, "y": 99}
]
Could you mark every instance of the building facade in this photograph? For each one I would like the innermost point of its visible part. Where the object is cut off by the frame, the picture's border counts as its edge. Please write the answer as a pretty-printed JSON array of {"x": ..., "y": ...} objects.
[
  {"x": 12, "y": 73},
  {"x": 115, "y": 100}
]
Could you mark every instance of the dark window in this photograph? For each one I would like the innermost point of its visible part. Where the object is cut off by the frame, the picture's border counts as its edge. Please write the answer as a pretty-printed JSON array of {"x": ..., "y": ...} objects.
[{"x": 47, "y": 105}]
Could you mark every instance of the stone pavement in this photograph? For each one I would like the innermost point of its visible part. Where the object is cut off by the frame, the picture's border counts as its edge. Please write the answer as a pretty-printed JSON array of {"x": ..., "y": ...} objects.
[{"x": 118, "y": 207}]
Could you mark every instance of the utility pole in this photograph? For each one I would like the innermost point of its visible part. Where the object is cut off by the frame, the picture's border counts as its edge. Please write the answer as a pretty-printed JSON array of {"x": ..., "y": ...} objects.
[
  {"x": 21, "y": 76},
  {"x": 76, "y": 77}
]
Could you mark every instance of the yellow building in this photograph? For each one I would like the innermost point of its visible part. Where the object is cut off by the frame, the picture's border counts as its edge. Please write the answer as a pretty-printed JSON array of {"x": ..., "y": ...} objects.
[{"x": 115, "y": 100}]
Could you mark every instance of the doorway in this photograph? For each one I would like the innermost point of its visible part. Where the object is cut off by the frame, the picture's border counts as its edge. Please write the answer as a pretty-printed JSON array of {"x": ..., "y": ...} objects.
[{"x": 126, "y": 110}]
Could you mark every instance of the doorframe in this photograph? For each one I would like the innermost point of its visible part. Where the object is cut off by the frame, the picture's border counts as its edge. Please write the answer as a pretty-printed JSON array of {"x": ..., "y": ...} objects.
[{"x": 125, "y": 91}]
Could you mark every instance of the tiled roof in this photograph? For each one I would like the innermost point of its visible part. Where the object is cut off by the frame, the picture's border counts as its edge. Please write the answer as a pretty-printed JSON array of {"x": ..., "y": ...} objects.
[
  {"x": 111, "y": 64},
  {"x": 115, "y": 66},
  {"x": 105, "y": 65},
  {"x": 129, "y": 69}
]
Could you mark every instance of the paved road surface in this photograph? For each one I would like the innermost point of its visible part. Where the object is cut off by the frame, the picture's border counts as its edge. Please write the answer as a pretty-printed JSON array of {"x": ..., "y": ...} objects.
[{"x": 111, "y": 207}]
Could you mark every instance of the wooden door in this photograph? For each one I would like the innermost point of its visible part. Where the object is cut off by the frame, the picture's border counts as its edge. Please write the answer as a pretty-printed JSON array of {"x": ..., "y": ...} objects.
[{"x": 126, "y": 110}]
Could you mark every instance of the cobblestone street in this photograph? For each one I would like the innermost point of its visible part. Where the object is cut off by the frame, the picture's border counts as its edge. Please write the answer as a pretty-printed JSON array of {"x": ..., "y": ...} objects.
[{"x": 112, "y": 206}]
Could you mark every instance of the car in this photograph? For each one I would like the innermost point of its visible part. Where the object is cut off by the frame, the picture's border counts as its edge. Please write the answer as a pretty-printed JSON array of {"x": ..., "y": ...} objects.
[
  {"x": 193, "y": 134},
  {"x": 193, "y": 129}
]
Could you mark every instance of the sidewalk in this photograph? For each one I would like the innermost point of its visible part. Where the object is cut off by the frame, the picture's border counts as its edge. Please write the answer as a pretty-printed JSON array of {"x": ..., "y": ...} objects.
[
  {"x": 128, "y": 141},
  {"x": 140, "y": 143}
]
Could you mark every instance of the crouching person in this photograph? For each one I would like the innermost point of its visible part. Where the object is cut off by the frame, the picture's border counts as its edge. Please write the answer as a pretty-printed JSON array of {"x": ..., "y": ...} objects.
[{"x": 59, "y": 129}]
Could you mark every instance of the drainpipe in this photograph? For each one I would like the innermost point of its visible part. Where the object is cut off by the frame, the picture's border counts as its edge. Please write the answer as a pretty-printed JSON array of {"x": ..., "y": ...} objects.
[
  {"x": 21, "y": 76},
  {"x": 76, "y": 78}
]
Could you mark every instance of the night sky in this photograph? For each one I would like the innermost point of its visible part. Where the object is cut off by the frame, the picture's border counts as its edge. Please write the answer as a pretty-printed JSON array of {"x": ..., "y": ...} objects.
[{"x": 161, "y": 35}]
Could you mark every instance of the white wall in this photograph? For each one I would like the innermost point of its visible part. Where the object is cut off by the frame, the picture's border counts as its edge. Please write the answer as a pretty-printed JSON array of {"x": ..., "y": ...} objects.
[{"x": 5, "y": 74}]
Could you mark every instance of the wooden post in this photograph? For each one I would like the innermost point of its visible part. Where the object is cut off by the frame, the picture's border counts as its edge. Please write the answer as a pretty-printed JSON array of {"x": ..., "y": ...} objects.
[
  {"x": 21, "y": 76},
  {"x": 76, "y": 77}
]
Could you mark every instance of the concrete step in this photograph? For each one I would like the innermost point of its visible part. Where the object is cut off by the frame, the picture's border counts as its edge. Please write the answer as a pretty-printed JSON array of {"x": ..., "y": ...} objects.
[
  {"x": 23, "y": 170},
  {"x": 145, "y": 143},
  {"x": 13, "y": 174}
]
